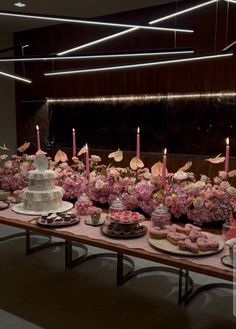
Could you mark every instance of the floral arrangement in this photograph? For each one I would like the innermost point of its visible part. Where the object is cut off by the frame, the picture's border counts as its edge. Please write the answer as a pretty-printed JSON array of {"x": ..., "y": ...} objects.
[
  {"x": 200, "y": 200},
  {"x": 13, "y": 171}
]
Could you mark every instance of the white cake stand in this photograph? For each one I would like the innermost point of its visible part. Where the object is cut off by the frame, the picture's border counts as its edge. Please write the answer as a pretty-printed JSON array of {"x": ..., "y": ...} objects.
[{"x": 19, "y": 209}]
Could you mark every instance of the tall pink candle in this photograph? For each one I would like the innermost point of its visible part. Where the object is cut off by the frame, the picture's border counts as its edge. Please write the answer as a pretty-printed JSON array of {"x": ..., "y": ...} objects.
[
  {"x": 138, "y": 144},
  {"x": 87, "y": 160},
  {"x": 227, "y": 155},
  {"x": 38, "y": 138},
  {"x": 164, "y": 161},
  {"x": 74, "y": 142}
]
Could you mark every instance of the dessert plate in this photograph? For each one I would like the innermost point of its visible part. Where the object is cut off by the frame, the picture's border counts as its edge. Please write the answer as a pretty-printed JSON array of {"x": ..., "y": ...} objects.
[
  {"x": 3, "y": 205},
  {"x": 166, "y": 246},
  {"x": 62, "y": 223},
  {"x": 88, "y": 221},
  {"x": 227, "y": 260}
]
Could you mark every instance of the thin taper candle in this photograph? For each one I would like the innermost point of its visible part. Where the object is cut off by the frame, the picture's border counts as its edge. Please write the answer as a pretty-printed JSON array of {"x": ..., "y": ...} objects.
[
  {"x": 87, "y": 160},
  {"x": 74, "y": 142},
  {"x": 164, "y": 162},
  {"x": 227, "y": 155},
  {"x": 138, "y": 144},
  {"x": 38, "y": 138}
]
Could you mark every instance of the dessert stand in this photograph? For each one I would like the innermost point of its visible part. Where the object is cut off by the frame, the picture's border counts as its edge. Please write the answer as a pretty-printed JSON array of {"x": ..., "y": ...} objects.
[{"x": 124, "y": 227}]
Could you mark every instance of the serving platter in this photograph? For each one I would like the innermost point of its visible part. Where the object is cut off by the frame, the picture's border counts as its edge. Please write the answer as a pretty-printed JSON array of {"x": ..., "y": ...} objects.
[
  {"x": 166, "y": 246},
  {"x": 19, "y": 209},
  {"x": 55, "y": 224}
]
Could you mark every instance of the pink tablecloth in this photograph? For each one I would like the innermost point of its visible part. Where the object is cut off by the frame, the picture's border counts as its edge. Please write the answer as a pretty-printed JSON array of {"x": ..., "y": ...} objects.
[
  {"x": 140, "y": 243},
  {"x": 10, "y": 214}
]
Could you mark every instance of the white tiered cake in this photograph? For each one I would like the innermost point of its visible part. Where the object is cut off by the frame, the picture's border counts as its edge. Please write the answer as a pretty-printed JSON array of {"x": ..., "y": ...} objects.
[{"x": 42, "y": 194}]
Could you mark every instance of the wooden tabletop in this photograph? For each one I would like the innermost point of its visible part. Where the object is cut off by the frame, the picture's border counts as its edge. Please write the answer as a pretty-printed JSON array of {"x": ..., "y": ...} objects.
[{"x": 164, "y": 258}]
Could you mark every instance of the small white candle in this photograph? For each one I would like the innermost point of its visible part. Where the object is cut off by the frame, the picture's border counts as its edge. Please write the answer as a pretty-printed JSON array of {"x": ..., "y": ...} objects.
[
  {"x": 227, "y": 155},
  {"x": 38, "y": 138},
  {"x": 164, "y": 162}
]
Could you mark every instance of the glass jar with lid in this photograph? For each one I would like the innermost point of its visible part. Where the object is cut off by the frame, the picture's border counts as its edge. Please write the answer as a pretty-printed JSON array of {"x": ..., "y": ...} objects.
[
  {"x": 83, "y": 204},
  {"x": 161, "y": 216},
  {"x": 117, "y": 206}
]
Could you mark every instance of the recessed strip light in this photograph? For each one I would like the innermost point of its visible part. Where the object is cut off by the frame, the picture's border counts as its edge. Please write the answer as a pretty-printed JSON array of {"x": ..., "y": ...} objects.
[
  {"x": 132, "y": 66},
  {"x": 182, "y": 12},
  {"x": 103, "y": 56},
  {"x": 135, "y": 98},
  {"x": 16, "y": 77},
  {"x": 80, "y": 21}
]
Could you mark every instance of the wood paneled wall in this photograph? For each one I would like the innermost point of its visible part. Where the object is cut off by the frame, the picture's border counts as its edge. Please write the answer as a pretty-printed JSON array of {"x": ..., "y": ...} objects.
[
  {"x": 212, "y": 33},
  {"x": 215, "y": 75}
]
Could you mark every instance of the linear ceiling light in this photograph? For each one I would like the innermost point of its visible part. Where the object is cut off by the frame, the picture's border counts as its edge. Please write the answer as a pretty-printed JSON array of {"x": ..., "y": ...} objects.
[
  {"x": 232, "y": 1},
  {"x": 131, "y": 66},
  {"x": 13, "y": 47},
  {"x": 182, "y": 12},
  {"x": 112, "y": 36},
  {"x": 80, "y": 21},
  {"x": 16, "y": 77},
  {"x": 230, "y": 46},
  {"x": 176, "y": 51}
]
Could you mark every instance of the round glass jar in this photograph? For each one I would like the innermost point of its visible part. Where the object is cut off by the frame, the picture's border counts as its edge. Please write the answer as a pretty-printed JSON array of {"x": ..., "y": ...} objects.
[
  {"x": 161, "y": 216},
  {"x": 83, "y": 204},
  {"x": 116, "y": 206}
]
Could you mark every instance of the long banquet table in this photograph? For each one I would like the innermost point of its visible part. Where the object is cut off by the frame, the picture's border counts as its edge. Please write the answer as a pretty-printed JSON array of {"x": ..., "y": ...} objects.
[{"x": 139, "y": 247}]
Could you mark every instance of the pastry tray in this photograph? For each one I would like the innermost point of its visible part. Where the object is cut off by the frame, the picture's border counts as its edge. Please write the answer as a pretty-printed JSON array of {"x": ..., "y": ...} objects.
[
  {"x": 62, "y": 223},
  {"x": 110, "y": 230}
]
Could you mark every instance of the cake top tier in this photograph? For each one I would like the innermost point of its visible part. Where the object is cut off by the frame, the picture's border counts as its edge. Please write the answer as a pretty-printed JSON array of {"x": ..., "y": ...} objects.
[
  {"x": 41, "y": 175},
  {"x": 41, "y": 162}
]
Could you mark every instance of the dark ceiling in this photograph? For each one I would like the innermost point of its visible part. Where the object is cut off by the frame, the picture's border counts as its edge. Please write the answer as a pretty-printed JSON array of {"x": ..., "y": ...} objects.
[{"x": 88, "y": 8}]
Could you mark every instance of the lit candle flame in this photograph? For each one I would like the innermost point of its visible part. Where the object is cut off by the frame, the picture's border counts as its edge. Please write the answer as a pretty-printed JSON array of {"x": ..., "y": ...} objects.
[
  {"x": 138, "y": 130},
  {"x": 227, "y": 141},
  {"x": 86, "y": 147},
  {"x": 73, "y": 129},
  {"x": 165, "y": 151},
  {"x": 37, "y": 128}
]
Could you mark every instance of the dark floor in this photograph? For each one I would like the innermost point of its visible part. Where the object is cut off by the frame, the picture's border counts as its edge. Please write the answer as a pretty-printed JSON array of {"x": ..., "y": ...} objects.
[{"x": 36, "y": 292}]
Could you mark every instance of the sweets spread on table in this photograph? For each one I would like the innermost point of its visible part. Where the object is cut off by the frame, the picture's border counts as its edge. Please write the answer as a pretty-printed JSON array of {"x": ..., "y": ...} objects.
[{"x": 189, "y": 238}]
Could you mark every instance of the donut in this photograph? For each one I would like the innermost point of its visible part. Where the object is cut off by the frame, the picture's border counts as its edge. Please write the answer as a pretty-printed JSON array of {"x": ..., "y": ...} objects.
[
  {"x": 194, "y": 235},
  {"x": 157, "y": 233},
  {"x": 192, "y": 227},
  {"x": 170, "y": 228},
  {"x": 174, "y": 237},
  {"x": 205, "y": 244},
  {"x": 188, "y": 245}
]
